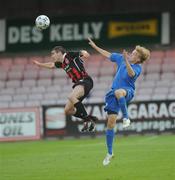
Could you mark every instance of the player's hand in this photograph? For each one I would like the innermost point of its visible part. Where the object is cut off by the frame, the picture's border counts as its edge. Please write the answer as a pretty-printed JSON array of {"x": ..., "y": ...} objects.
[
  {"x": 85, "y": 54},
  {"x": 91, "y": 42},
  {"x": 125, "y": 55},
  {"x": 36, "y": 62}
]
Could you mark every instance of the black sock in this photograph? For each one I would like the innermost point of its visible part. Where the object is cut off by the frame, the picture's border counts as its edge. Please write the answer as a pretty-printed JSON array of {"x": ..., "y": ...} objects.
[{"x": 80, "y": 110}]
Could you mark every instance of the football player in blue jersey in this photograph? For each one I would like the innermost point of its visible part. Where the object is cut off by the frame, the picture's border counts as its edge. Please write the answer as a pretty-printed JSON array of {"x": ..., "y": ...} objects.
[{"x": 122, "y": 90}]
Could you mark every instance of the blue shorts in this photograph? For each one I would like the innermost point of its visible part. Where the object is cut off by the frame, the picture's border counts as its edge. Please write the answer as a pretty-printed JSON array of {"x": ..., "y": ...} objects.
[{"x": 112, "y": 106}]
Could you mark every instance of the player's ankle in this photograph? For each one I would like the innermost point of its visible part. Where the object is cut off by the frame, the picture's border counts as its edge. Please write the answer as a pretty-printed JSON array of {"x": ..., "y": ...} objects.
[{"x": 125, "y": 119}]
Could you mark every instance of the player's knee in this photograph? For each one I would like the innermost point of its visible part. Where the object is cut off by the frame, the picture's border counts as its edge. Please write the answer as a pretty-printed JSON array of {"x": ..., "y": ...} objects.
[
  {"x": 67, "y": 111},
  {"x": 119, "y": 93},
  {"x": 111, "y": 124}
]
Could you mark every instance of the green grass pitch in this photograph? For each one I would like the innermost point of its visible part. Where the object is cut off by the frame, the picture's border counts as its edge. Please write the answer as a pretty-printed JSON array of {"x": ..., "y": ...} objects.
[{"x": 147, "y": 157}]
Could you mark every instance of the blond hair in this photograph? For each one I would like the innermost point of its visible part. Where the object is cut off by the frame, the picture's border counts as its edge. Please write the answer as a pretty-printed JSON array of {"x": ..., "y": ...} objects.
[{"x": 143, "y": 52}]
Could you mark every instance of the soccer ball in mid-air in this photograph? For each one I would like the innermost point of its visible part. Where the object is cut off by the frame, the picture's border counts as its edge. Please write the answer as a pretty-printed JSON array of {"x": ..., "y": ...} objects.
[{"x": 42, "y": 22}]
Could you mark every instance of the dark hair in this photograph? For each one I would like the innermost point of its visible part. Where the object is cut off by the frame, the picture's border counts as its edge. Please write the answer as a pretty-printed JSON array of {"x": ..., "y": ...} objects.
[{"x": 59, "y": 49}]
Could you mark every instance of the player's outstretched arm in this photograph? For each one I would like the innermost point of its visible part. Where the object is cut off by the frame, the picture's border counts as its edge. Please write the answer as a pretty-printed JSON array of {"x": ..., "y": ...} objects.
[
  {"x": 100, "y": 50},
  {"x": 130, "y": 70},
  {"x": 48, "y": 65}
]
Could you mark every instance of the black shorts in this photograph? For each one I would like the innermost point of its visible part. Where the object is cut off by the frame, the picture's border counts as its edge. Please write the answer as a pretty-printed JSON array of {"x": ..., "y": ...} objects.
[{"x": 88, "y": 85}]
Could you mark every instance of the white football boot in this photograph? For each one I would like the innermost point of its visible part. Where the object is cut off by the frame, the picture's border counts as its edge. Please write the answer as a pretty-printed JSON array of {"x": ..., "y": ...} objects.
[
  {"x": 126, "y": 122},
  {"x": 107, "y": 159}
]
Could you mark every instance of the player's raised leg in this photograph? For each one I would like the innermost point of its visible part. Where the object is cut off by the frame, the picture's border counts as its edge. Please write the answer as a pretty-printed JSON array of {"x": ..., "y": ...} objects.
[
  {"x": 76, "y": 108},
  {"x": 69, "y": 108},
  {"x": 120, "y": 95},
  {"x": 74, "y": 97}
]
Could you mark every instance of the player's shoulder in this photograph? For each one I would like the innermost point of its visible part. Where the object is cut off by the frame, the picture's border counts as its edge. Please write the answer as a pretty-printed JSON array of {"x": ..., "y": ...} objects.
[
  {"x": 137, "y": 65},
  {"x": 116, "y": 55}
]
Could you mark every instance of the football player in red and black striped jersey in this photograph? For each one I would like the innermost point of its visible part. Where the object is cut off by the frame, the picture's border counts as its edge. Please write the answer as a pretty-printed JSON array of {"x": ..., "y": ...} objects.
[{"x": 72, "y": 64}]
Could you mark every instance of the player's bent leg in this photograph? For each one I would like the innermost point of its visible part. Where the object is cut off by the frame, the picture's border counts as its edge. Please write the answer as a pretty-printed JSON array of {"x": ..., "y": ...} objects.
[
  {"x": 77, "y": 93},
  {"x": 109, "y": 138},
  {"x": 89, "y": 121},
  {"x": 120, "y": 95},
  {"x": 80, "y": 111},
  {"x": 69, "y": 108}
]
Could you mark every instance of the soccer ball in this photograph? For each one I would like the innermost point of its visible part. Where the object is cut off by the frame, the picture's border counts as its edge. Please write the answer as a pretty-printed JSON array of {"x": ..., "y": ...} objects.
[{"x": 42, "y": 22}]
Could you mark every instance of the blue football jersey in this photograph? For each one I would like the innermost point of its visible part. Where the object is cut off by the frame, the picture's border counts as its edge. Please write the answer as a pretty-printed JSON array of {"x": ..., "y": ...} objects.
[{"x": 122, "y": 79}]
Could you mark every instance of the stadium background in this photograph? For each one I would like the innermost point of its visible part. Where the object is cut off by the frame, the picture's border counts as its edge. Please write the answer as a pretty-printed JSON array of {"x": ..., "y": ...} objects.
[{"x": 32, "y": 99}]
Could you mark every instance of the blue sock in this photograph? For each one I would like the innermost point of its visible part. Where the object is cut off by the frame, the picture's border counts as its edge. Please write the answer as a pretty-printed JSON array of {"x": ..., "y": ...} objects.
[
  {"x": 109, "y": 139},
  {"x": 122, "y": 104}
]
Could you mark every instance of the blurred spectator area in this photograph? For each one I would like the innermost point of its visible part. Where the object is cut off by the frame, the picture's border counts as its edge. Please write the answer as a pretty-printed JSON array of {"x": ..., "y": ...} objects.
[
  {"x": 23, "y": 84},
  {"x": 32, "y": 8}
]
